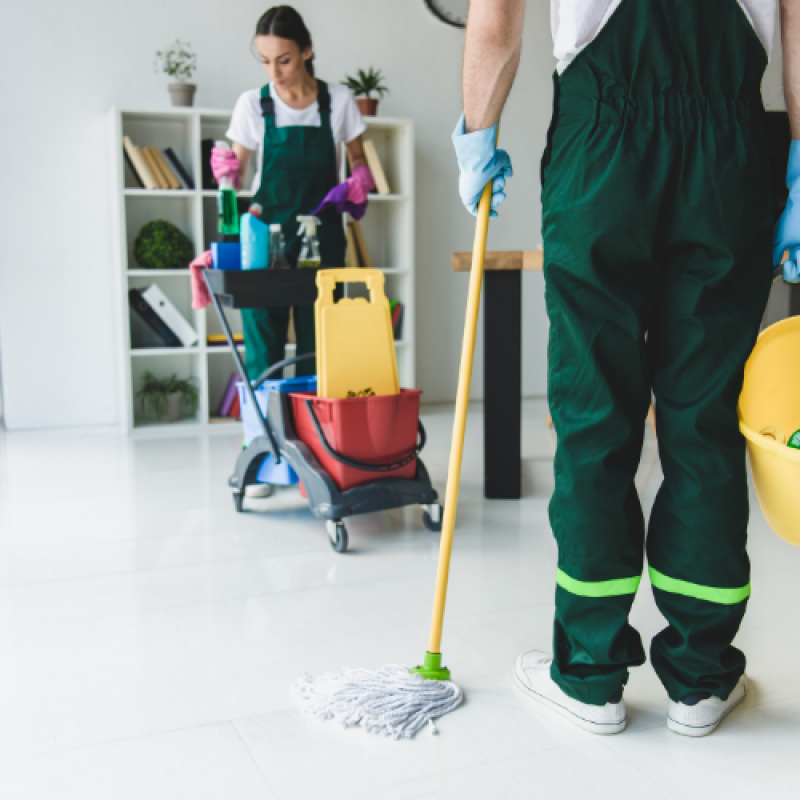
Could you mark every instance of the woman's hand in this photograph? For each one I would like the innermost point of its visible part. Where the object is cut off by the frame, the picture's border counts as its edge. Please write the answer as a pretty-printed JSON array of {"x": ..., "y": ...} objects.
[{"x": 224, "y": 164}]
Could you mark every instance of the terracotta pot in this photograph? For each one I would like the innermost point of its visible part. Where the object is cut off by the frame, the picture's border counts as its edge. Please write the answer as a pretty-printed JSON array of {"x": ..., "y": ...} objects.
[
  {"x": 182, "y": 94},
  {"x": 174, "y": 405},
  {"x": 367, "y": 106}
]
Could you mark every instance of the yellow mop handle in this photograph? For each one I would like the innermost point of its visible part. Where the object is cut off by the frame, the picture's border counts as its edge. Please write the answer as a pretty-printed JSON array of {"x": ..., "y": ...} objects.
[{"x": 460, "y": 422}]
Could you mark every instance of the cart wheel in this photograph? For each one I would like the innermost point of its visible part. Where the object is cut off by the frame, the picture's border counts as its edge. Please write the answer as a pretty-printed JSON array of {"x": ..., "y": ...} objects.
[
  {"x": 238, "y": 499},
  {"x": 432, "y": 517},
  {"x": 337, "y": 533}
]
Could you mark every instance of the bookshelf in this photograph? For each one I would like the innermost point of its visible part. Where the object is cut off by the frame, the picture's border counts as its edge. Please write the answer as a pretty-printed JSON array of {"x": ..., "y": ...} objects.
[{"x": 388, "y": 229}]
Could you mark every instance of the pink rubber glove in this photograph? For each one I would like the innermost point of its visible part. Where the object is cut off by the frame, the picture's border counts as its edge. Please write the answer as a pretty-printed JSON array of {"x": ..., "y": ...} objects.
[
  {"x": 200, "y": 295},
  {"x": 358, "y": 184},
  {"x": 224, "y": 162}
]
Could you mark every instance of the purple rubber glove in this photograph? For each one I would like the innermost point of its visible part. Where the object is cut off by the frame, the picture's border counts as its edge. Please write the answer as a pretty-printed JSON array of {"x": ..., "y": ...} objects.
[
  {"x": 350, "y": 196},
  {"x": 223, "y": 163}
]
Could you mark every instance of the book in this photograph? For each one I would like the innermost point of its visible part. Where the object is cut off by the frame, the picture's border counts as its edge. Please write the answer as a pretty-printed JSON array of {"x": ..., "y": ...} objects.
[
  {"x": 139, "y": 162},
  {"x": 161, "y": 183},
  {"x": 136, "y": 179},
  {"x": 397, "y": 318},
  {"x": 375, "y": 167},
  {"x": 209, "y": 182},
  {"x": 147, "y": 315},
  {"x": 181, "y": 174},
  {"x": 165, "y": 170},
  {"x": 350, "y": 253},
  {"x": 219, "y": 340},
  {"x": 361, "y": 246},
  {"x": 170, "y": 315},
  {"x": 228, "y": 395},
  {"x": 236, "y": 408}
]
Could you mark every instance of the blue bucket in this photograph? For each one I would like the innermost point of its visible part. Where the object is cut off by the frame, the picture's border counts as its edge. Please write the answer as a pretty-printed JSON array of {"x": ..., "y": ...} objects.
[{"x": 270, "y": 472}]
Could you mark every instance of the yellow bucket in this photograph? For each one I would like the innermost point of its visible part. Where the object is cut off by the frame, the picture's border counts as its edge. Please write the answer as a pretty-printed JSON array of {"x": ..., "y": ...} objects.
[{"x": 771, "y": 397}]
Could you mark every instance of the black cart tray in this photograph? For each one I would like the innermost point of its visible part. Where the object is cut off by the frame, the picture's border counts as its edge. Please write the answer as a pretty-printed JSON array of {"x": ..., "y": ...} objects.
[{"x": 263, "y": 288}]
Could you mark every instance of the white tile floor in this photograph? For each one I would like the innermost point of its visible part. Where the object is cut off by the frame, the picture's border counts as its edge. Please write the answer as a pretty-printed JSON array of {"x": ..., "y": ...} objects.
[{"x": 149, "y": 635}]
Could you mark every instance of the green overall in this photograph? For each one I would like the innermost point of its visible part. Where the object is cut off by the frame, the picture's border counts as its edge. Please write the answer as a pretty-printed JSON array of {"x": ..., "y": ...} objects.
[
  {"x": 298, "y": 170},
  {"x": 657, "y": 232}
]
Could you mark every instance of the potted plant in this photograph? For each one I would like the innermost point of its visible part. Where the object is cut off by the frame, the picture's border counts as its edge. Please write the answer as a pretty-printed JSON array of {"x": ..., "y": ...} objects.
[
  {"x": 166, "y": 398},
  {"x": 180, "y": 63},
  {"x": 161, "y": 245},
  {"x": 363, "y": 87}
]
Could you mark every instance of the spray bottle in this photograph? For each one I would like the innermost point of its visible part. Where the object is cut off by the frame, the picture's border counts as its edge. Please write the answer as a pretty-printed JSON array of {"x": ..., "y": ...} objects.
[
  {"x": 277, "y": 256},
  {"x": 227, "y": 214},
  {"x": 254, "y": 239},
  {"x": 309, "y": 249}
]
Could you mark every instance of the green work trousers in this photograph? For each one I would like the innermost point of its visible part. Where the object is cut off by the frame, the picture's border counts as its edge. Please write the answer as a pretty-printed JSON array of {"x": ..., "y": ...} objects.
[{"x": 657, "y": 239}]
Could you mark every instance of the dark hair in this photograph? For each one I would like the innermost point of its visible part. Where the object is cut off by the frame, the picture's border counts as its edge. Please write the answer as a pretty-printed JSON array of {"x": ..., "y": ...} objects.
[{"x": 285, "y": 23}]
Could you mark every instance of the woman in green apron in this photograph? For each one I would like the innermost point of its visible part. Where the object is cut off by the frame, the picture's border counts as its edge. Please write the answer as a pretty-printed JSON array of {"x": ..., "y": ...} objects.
[{"x": 295, "y": 125}]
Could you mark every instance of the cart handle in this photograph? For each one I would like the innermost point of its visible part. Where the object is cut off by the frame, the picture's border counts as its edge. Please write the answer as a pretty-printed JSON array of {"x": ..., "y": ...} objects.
[
  {"x": 287, "y": 362},
  {"x": 351, "y": 462}
]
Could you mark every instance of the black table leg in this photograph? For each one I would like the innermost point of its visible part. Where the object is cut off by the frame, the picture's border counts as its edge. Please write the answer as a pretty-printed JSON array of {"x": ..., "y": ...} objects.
[{"x": 502, "y": 381}]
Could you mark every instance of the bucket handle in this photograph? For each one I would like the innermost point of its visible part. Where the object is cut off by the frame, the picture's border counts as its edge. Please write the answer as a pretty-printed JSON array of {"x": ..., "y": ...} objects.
[{"x": 351, "y": 462}]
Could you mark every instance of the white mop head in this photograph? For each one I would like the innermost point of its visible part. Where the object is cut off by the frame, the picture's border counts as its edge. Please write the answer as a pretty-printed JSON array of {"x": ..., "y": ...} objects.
[{"x": 391, "y": 702}]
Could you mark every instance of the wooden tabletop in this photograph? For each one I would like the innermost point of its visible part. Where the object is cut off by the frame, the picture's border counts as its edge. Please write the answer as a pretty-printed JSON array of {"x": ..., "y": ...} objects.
[{"x": 502, "y": 260}]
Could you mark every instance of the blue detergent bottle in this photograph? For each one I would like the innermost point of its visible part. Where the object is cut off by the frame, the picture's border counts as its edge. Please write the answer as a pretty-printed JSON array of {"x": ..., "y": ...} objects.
[{"x": 254, "y": 239}]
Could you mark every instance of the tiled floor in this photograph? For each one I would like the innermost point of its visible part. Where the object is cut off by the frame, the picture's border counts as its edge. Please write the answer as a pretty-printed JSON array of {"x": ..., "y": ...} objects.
[{"x": 149, "y": 636}]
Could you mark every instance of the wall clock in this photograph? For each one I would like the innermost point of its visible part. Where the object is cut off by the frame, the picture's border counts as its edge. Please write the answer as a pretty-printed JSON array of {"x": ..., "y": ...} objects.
[{"x": 453, "y": 12}]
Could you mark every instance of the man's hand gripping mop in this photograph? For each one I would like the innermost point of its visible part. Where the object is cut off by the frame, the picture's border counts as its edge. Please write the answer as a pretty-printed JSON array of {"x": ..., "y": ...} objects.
[{"x": 397, "y": 701}]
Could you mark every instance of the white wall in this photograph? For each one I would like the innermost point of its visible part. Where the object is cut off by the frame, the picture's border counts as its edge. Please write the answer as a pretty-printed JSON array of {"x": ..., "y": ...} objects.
[{"x": 63, "y": 65}]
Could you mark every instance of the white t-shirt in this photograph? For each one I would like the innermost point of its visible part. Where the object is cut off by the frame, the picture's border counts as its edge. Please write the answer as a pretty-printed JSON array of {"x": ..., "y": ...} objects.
[
  {"x": 247, "y": 123},
  {"x": 575, "y": 23}
]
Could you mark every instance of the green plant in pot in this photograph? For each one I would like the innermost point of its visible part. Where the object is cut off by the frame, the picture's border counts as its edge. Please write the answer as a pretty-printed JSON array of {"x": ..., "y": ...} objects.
[
  {"x": 179, "y": 62},
  {"x": 160, "y": 245},
  {"x": 363, "y": 86},
  {"x": 167, "y": 398}
]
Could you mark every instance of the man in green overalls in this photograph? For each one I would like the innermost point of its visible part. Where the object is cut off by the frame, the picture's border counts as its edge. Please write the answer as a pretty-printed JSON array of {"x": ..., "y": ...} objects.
[{"x": 657, "y": 226}]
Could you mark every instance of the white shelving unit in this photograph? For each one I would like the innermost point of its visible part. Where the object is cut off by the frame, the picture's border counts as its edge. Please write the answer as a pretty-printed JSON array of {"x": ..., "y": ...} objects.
[{"x": 388, "y": 230}]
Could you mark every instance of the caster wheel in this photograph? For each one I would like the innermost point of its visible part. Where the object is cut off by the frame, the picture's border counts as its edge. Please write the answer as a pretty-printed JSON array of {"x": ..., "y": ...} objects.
[
  {"x": 238, "y": 499},
  {"x": 337, "y": 533},
  {"x": 432, "y": 517}
]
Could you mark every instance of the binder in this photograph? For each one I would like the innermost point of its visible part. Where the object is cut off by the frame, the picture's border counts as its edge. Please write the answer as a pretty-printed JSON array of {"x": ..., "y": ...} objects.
[
  {"x": 142, "y": 308},
  {"x": 177, "y": 168},
  {"x": 170, "y": 315}
]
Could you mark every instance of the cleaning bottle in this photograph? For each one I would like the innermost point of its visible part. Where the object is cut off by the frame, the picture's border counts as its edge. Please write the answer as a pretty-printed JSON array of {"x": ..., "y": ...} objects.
[
  {"x": 277, "y": 256},
  {"x": 227, "y": 214},
  {"x": 309, "y": 249},
  {"x": 255, "y": 239}
]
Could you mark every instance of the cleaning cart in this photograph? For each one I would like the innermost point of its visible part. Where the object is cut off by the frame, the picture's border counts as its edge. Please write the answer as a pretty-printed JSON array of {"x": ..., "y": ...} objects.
[{"x": 276, "y": 453}]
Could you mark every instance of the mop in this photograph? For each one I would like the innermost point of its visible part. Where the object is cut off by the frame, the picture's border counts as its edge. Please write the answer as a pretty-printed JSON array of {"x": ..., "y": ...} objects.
[{"x": 397, "y": 701}]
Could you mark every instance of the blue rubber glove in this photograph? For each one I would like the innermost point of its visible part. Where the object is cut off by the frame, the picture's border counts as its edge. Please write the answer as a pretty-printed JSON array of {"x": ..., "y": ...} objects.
[
  {"x": 480, "y": 162},
  {"x": 787, "y": 231}
]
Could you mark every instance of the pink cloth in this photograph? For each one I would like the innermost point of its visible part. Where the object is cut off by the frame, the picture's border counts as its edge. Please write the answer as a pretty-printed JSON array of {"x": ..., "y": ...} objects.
[
  {"x": 224, "y": 162},
  {"x": 200, "y": 295}
]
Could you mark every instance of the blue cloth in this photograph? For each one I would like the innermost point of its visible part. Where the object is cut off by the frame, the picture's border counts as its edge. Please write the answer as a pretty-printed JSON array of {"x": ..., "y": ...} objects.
[
  {"x": 480, "y": 161},
  {"x": 787, "y": 231}
]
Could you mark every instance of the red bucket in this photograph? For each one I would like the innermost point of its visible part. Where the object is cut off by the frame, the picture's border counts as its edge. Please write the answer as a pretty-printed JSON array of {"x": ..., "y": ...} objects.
[{"x": 380, "y": 431}]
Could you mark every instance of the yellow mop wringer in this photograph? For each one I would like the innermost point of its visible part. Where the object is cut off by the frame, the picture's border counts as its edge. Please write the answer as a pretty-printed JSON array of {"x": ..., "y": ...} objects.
[{"x": 396, "y": 701}]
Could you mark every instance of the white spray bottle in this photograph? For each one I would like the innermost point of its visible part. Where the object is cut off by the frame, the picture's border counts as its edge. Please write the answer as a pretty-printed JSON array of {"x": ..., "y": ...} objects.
[{"x": 309, "y": 248}]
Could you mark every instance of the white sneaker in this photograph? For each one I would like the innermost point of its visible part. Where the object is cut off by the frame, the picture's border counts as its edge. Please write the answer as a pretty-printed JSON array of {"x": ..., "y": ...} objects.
[
  {"x": 704, "y": 717},
  {"x": 532, "y": 677}
]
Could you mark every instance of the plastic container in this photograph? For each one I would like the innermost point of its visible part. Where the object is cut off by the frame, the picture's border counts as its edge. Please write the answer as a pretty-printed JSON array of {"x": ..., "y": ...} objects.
[
  {"x": 771, "y": 398},
  {"x": 309, "y": 248},
  {"x": 226, "y": 255},
  {"x": 270, "y": 472},
  {"x": 277, "y": 247},
  {"x": 374, "y": 430},
  {"x": 227, "y": 210},
  {"x": 255, "y": 242}
]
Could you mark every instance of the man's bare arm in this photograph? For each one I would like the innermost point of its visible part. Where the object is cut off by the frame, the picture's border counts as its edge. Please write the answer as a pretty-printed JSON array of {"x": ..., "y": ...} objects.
[
  {"x": 790, "y": 41},
  {"x": 491, "y": 57}
]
